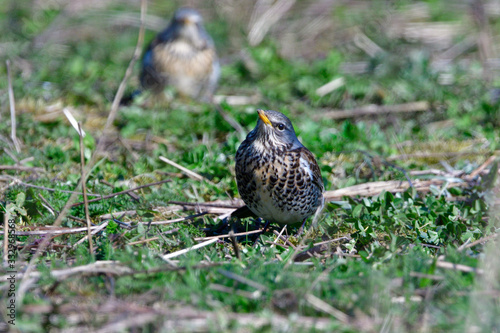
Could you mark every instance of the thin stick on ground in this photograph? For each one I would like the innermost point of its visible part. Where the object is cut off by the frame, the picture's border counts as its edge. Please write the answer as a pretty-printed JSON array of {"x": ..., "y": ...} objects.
[
  {"x": 12, "y": 103},
  {"x": 373, "y": 109},
  {"x": 58, "y": 231},
  {"x": 84, "y": 188},
  {"x": 95, "y": 230},
  {"x": 122, "y": 192},
  {"x": 195, "y": 247},
  {"x": 238, "y": 234},
  {"x": 21, "y": 168},
  {"x": 189, "y": 173},
  {"x": 17, "y": 181},
  {"x": 52, "y": 209},
  {"x": 321, "y": 305},
  {"x": 24, "y": 284},
  {"x": 230, "y": 120}
]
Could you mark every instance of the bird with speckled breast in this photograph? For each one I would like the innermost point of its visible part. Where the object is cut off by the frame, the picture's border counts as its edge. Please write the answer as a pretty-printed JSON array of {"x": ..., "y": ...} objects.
[
  {"x": 278, "y": 178},
  {"x": 182, "y": 56}
]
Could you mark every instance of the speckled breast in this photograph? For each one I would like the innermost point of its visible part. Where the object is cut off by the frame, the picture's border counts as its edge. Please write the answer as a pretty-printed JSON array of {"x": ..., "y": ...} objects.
[
  {"x": 276, "y": 185},
  {"x": 183, "y": 66}
]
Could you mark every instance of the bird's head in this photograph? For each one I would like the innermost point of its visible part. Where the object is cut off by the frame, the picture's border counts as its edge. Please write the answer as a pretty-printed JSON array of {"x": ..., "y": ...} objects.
[
  {"x": 189, "y": 26},
  {"x": 186, "y": 16},
  {"x": 274, "y": 128}
]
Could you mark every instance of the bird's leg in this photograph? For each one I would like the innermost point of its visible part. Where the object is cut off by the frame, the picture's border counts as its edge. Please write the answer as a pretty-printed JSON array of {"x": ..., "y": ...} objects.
[
  {"x": 301, "y": 229},
  {"x": 265, "y": 227},
  {"x": 262, "y": 232}
]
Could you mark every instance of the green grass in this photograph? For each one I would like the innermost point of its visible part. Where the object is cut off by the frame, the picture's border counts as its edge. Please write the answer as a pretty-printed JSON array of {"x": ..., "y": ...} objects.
[{"x": 388, "y": 277}]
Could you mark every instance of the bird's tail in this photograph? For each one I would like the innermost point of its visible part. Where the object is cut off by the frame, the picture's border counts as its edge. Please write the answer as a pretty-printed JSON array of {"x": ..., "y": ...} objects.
[{"x": 128, "y": 98}]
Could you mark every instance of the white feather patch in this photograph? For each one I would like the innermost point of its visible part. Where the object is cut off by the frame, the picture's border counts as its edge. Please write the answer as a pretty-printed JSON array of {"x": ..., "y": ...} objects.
[{"x": 304, "y": 164}]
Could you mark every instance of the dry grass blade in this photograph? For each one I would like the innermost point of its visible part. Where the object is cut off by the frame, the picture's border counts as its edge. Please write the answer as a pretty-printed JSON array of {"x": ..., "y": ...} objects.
[
  {"x": 482, "y": 167},
  {"x": 17, "y": 181},
  {"x": 183, "y": 251},
  {"x": 12, "y": 103},
  {"x": 330, "y": 86},
  {"x": 147, "y": 240},
  {"x": 372, "y": 109},
  {"x": 84, "y": 189},
  {"x": 238, "y": 234},
  {"x": 127, "y": 323},
  {"x": 479, "y": 241},
  {"x": 122, "y": 192},
  {"x": 262, "y": 25},
  {"x": 21, "y": 168},
  {"x": 56, "y": 231},
  {"x": 182, "y": 219},
  {"x": 279, "y": 236},
  {"x": 458, "y": 267},
  {"x": 437, "y": 155},
  {"x": 242, "y": 279},
  {"x": 230, "y": 120},
  {"x": 111, "y": 117},
  {"x": 393, "y": 186},
  {"x": 189, "y": 173},
  {"x": 73, "y": 122},
  {"x": 250, "y": 295},
  {"x": 321, "y": 305},
  {"x": 94, "y": 231}
]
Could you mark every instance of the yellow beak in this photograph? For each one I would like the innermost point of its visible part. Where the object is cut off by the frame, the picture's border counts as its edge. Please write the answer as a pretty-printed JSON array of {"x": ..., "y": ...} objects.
[{"x": 263, "y": 117}]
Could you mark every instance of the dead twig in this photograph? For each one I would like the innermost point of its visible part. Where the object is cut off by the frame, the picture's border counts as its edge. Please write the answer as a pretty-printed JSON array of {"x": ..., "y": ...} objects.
[
  {"x": 130, "y": 194},
  {"x": 189, "y": 173},
  {"x": 238, "y": 234},
  {"x": 393, "y": 186},
  {"x": 55, "y": 231},
  {"x": 182, "y": 219},
  {"x": 435, "y": 155},
  {"x": 21, "y": 168},
  {"x": 195, "y": 247},
  {"x": 230, "y": 120},
  {"x": 84, "y": 189},
  {"x": 122, "y": 192},
  {"x": 54, "y": 211},
  {"x": 264, "y": 22},
  {"x": 481, "y": 168},
  {"x": 19, "y": 182},
  {"x": 243, "y": 280},
  {"x": 373, "y": 109},
  {"x": 147, "y": 240},
  {"x": 458, "y": 267},
  {"x": 321, "y": 305},
  {"x": 479, "y": 241},
  {"x": 94, "y": 231},
  {"x": 279, "y": 236}
]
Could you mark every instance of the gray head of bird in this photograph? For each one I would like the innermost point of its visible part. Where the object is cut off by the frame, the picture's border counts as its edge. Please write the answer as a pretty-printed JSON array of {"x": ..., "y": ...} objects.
[
  {"x": 275, "y": 129},
  {"x": 189, "y": 25}
]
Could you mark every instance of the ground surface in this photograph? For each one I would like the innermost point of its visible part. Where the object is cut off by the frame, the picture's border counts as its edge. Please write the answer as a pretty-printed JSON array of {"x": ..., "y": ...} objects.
[{"x": 413, "y": 99}]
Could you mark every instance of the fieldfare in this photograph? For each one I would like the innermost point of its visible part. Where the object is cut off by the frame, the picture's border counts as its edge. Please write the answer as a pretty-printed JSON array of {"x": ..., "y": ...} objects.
[
  {"x": 278, "y": 178},
  {"x": 182, "y": 56}
]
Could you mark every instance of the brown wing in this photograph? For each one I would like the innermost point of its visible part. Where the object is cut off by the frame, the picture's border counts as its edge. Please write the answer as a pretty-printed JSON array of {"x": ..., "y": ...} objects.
[{"x": 313, "y": 165}]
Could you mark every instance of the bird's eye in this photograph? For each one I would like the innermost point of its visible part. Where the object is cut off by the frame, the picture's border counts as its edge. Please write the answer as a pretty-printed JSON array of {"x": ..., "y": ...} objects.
[{"x": 280, "y": 127}]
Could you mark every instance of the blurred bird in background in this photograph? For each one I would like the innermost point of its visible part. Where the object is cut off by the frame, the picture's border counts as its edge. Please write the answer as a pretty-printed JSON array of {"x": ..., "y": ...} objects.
[
  {"x": 182, "y": 56},
  {"x": 278, "y": 178}
]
